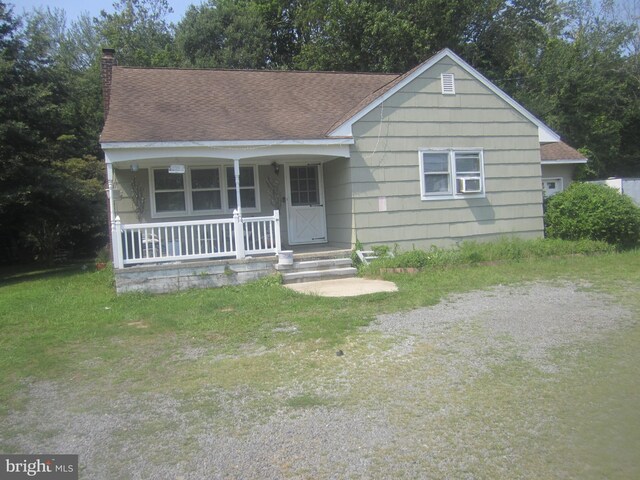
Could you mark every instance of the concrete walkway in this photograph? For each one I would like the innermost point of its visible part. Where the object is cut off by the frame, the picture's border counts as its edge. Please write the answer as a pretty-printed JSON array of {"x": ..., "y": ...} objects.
[{"x": 344, "y": 287}]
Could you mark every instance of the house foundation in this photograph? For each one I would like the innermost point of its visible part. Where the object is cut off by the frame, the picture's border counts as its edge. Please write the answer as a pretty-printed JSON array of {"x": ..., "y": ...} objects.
[
  {"x": 319, "y": 263},
  {"x": 174, "y": 277}
]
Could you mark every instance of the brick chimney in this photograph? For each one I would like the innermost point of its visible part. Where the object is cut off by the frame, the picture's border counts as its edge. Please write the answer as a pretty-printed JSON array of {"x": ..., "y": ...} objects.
[{"x": 106, "y": 67}]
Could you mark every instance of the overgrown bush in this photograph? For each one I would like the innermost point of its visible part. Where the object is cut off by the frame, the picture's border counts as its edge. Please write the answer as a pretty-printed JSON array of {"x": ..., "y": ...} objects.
[{"x": 594, "y": 212}]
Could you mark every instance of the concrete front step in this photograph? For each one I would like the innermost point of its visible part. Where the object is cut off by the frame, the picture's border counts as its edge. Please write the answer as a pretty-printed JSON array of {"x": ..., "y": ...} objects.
[
  {"x": 297, "y": 276},
  {"x": 321, "y": 255},
  {"x": 310, "y": 268},
  {"x": 325, "y": 264}
]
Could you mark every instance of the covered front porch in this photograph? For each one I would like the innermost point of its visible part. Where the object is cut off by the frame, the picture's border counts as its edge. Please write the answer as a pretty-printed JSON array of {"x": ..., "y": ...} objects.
[{"x": 192, "y": 201}]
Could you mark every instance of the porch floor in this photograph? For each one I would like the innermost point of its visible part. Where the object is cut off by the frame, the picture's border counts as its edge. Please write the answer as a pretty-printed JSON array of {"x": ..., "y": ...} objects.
[{"x": 300, "y": 252}]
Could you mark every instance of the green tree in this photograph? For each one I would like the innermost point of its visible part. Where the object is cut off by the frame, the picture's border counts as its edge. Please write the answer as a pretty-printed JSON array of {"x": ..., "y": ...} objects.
[
  {"x": 582, "y": 83},
  {"x": 362, "y": 36},
  {"x": 229, "y": 34},
  {"x": 139, "y": 32},
  {"x": 43, "y": 195},
  {"x": 376, "y": 35}
]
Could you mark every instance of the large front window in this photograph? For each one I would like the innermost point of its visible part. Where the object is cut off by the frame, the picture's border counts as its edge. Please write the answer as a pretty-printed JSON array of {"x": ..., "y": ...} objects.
[
  {"x": 202, "y": 190},
  {"x": 247, "y": 188},
  {"x": 169, "y": 192},
  {"x": 205, "y": 189},
  {"x": 451, "y": 174}
]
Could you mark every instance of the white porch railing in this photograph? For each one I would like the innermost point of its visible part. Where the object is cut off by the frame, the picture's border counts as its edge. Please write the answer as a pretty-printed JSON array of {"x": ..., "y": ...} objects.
[{"x": 191, "y": 240}]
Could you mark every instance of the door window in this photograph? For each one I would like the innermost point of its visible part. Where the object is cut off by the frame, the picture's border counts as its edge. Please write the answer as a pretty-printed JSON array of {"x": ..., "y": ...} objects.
[{"x": 304, "y": 185}]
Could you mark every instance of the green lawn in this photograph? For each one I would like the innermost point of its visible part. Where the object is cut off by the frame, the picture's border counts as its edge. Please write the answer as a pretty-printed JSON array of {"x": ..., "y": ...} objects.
[{"x": 64, "y": 324}]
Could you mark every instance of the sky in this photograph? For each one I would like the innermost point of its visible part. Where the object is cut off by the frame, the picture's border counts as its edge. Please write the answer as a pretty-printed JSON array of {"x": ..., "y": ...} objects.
[{"x": 75, "y": 7}]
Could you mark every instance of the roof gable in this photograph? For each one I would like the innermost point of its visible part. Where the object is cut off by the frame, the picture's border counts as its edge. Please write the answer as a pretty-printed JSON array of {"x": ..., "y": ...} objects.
[{"x": 343, "y": 126}]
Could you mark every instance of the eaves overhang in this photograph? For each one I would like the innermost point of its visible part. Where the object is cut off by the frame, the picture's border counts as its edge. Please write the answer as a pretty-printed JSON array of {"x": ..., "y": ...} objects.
[{"x": 117, "y": 152}]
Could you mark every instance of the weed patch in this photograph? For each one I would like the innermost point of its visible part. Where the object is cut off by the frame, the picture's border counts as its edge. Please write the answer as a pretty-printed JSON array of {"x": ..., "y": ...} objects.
[{"x": 474, "y": 253}]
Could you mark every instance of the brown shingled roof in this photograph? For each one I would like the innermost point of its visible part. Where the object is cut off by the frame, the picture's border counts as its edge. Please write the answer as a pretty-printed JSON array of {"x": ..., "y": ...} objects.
[
  {"x": 559, "y": 151},
  {"x": 164, "y": 105}
]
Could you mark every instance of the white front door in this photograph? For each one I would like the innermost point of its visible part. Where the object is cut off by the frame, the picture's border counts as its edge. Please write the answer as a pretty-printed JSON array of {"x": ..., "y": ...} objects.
[{"x": 306, "y": 221}]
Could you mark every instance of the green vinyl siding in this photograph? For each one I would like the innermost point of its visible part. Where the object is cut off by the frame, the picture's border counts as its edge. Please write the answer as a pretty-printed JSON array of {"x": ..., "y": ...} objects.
[
  {"x": 385, "y": 164},
  {"x": 338, "y": 201}
]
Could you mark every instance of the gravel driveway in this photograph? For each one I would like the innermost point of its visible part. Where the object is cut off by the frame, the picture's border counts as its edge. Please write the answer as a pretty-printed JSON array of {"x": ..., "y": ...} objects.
[{"x": 412, "y": 397}]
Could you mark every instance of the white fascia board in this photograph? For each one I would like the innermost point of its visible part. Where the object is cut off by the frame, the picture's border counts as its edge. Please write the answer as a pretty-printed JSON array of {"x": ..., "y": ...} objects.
[
  {"x": 564, "y": 162},
  {"x": 117, "y": 152},
  {"x": 545, "y": 134},
  {"x": 228, "y": 143}
]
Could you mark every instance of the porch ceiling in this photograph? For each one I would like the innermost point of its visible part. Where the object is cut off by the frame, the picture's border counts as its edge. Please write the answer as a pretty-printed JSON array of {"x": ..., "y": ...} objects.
[{"x": 191, "y": 152}]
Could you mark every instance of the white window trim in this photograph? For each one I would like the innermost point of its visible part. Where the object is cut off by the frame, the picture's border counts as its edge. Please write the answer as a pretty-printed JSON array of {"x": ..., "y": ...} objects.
[
  {"x": 189, "y": 211},
  {"x": 451, "y": 194}
]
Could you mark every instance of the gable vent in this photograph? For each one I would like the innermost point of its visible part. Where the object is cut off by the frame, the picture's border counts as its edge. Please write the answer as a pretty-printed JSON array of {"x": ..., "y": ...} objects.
[{"x": 448, "y": 84}]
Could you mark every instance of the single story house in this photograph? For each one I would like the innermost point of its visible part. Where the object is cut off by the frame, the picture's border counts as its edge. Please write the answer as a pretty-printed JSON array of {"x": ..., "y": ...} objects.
[{"x": 209, "y": 164}]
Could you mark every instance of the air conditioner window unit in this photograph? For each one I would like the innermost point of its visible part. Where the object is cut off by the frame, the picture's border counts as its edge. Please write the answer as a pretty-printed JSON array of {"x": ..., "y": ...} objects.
[{"x": 469, "y": 185}]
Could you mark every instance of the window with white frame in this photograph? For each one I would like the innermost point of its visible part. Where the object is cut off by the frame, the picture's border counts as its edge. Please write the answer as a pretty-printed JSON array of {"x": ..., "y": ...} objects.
[
  {"x": 449, "y": 173},
  {"x": 248, "y": 197},
  {"x": 551, "y": 186},
  {"x": 169, "y": 192},
  {"x": 202, "y": 190},
  {"x": 205, "y": 189}
]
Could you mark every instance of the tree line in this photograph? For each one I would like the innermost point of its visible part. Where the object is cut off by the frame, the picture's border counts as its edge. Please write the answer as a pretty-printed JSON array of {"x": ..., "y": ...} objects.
[{"x": 575, "y": 64}]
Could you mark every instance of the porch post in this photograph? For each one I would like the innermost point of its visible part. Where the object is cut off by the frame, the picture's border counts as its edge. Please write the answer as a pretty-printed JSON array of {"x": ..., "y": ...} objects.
[
  {"x": 116, "y": 238},
  {"x": 237, "y": 213},
  {"x": 110, "y": 192},
  {"x": 236, "y": 172},
  {"x": 276, "y": 216},
  {"x": 238, "y": 228},
  {"x": 116, "y": 244}
]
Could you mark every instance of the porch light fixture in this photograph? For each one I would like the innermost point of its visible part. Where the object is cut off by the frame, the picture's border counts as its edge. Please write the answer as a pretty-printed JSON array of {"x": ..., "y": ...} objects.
[
  {"x": 134, "y": 167},
  {"x": 276, "y": 168}
]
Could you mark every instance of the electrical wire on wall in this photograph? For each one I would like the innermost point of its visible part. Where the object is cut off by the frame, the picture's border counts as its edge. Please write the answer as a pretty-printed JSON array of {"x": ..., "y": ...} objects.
[{"x": 375, "y": 149}]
